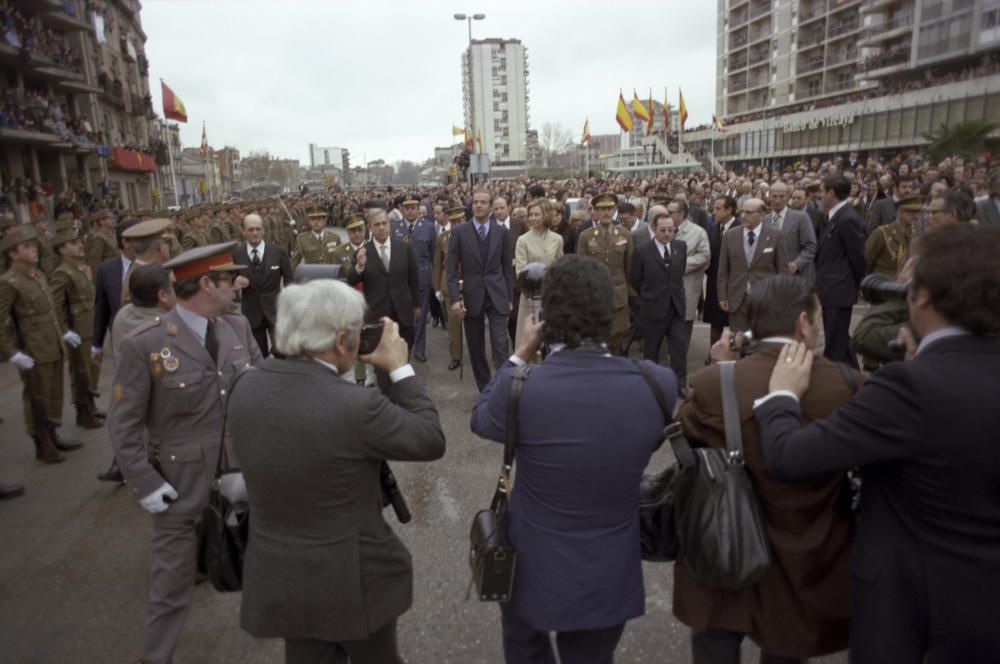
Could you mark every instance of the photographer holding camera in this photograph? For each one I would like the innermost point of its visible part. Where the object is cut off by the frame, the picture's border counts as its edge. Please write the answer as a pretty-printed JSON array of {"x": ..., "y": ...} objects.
[{"x": 323, "y": 570}]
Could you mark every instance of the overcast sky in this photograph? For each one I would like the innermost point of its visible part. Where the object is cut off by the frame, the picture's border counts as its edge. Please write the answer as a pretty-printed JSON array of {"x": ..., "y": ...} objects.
[{"x": 382, "y": 79}]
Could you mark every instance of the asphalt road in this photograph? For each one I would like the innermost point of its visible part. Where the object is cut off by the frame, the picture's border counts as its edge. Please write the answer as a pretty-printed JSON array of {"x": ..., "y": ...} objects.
[{"x": 74, "y": 553}]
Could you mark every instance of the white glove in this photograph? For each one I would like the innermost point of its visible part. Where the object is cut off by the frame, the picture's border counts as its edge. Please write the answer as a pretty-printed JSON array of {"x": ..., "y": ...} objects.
[
  {"x": 156, "y": 502},
  {"x": 72, "y": 339},
  {"x": 22, "y": 361},
  {"x": 440, "y": 296}
]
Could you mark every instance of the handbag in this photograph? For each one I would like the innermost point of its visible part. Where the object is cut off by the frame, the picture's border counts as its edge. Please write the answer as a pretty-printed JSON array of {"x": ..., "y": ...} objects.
[
  {"x": 491, "y": 557},
  {"x": 224, "y": 527}
]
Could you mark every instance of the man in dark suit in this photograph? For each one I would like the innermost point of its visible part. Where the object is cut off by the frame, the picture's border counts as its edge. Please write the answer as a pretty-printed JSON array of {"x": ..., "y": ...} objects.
[
  {"x": 108, "y": 282},
  {"x": 884, "y": 211},
  {"x": 516, "y": 228},
  {"x": 268, "y": 269},
  {"x": 657, "y": 275},
  {"x": 724, "y": 217},
  {"x": 388, "y": 269},
  {"x": 840, "y": 267},
  {"x": 481, "y": 254},
  {"x": 925, "y": 582},
  {"x": 988, "y": 209}
]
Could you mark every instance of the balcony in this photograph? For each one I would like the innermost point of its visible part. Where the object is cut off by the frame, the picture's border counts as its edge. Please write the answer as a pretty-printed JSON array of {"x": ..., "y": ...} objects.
[
  {"x": 887, "y": 29},
  {"x": 815, "y": 38},
  {"x": 843, "y": 28},
  {"x": 809, "y": 15},
  {"x": 849, "y": 56},
  {"x": 759, "y": 57},
  {"x": 737, "y": 64},
  {"x": 64, "y": 18},
  {"x": 738, "y": 86},
  {"x": 841, "y": 86},
  {"x": 757, "y": 12},
  {"x": 888, "y": 60},
  {"x": 810, "y": 65},
  {"x": 758, "y": 82},
  {"x": 738, "y": 20}
]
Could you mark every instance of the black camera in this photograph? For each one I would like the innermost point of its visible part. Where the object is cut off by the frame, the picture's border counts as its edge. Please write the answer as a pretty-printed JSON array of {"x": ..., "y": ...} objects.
[
  {"x": 530, "y": 280},
  {"x": 878, "y": 288},
  {"x": 371, "y": 335}
]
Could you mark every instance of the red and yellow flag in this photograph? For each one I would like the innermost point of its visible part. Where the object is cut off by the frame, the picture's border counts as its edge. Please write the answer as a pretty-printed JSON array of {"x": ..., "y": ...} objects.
[
  {"x": 173, "y": 107},
  {"x": 586, "y": 131},
  {"x": 649, "y": 122},
  {"x": 682, "y": 108},
  {"x": 638, "y": 109},
  {"x": 469, "y": 143},
  {"x": 457, "y": 131},
  {"x": 622, "y": 116},
  {"x": 666, "y": 113}
]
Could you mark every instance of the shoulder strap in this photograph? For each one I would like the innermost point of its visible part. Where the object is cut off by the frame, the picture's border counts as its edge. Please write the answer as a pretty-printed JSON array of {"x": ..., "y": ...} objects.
[
  {"x": 671, "y": 430},
  {"x": 225, "y": 422},
  {"x": 518, "y": 376},
  {"x": 731, "y": 409}
]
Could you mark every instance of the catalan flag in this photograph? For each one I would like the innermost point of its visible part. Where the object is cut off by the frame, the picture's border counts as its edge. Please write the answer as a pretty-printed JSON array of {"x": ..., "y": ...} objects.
[
  {"x": 622, "y": 116},
  {"x": 586, "y": 131},
  {"x": 638, "y": 109},
  {"x": 682, "y": 108},
  {"x": 469, "y": 143},
  {"x": 173, "y": 107}
]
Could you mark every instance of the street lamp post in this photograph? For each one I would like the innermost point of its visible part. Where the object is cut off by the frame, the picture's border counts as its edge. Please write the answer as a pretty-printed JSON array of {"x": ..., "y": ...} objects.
[{"x": 469, "y": 18}]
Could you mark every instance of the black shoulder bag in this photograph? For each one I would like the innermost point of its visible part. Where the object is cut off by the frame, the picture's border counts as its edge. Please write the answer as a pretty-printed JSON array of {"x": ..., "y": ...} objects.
[
  {"x": 224, "y": 527},
  {"x": 491, "y": 557}
]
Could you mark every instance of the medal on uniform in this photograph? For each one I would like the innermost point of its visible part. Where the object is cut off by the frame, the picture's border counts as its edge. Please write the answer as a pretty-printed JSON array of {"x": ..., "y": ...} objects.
[
  {"x": 171, "y": 364},
  {"x": 165, "y": 353}
]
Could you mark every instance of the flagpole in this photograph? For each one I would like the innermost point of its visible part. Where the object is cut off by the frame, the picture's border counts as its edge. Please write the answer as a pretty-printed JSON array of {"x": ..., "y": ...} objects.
[{"x": 170, "y": 153}]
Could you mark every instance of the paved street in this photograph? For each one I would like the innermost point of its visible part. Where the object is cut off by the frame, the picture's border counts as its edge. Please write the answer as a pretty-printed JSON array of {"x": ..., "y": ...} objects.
[{"x": 75, "y": 554}]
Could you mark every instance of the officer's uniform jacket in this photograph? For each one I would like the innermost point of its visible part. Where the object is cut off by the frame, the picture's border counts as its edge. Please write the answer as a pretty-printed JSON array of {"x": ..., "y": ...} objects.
[
  {"x": 614, "y": 249},
  {"x": 99, "y": 247},
  {"x": 886, "y": 248},
  {"x": 439, "y": 275},
  {"x": 345, "y": 255},
  {"x": 167, "y": 387},
  {"x": 35, "y": 329},
  {"x": 73, "y": 295},
  {"x": 195, "y": 238},
  {"x": 422, "y": 238},
  {"x": 309, "y": 249}
]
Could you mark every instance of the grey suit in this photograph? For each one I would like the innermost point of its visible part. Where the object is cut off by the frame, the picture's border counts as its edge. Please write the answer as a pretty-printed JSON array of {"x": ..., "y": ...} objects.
[
  {"x": 640, "y": 236},
  {"x": 987, "y": 212},
  {"x": 883, "y": 212},
  {"x": 800, "y": 241},
  {"x": 737, "y": 278},
  {"x": 322, "y": 564},
  {"x": 179, "y": 409}
]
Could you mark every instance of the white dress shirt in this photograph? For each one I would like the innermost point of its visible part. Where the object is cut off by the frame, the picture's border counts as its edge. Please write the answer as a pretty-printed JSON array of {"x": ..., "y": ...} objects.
[
  {"x": 259, "y": 248},
  {"x": 405, "y": 371},
  {"x": 388, "y": 251},
  {"x": 836, "y": 208},
  {"x": 662, "y": 248}
]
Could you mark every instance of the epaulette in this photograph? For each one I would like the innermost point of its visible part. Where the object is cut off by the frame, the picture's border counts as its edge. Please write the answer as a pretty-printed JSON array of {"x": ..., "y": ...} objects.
[{"x": 147, "y": 325}]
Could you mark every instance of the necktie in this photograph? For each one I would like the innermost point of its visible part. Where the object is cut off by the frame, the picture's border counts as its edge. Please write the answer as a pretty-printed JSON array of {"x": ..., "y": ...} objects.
[
  {"x": 384, "y": 250},
  {"x": 776, "y": 221},
  {"x": 482, "y": 232},
  {"x": 666, "y": 255},
  {"x": 750, "y": 238},
  {"x": 211, "y": 343},
  {"x": 255, "y": 259}
]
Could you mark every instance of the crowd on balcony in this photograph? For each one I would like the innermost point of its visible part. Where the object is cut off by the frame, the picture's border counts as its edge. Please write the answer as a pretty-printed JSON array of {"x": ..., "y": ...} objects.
[
  {"x": 34, "y": 40},
  {"x": 31, "y": 110}
]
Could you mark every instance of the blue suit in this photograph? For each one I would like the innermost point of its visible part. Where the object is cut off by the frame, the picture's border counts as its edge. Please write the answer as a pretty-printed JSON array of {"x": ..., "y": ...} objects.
[
  {"x": 107, "y": 296},
  {"x": 422, "y": 238},
  {"x": 588, "y": 426}
]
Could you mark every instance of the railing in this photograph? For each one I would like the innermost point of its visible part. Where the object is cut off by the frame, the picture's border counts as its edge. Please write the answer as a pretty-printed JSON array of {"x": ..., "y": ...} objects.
[
  {"x": 843, "y": 27},
  {"x": 738, "y": 86},
  {"x": 757, "y": 58},
  {"x": 737, "y": 64},
  {"x": 811, "y": 65},
  {"x": 758, "y": 12},
  {"x": 887, "y": 60}
]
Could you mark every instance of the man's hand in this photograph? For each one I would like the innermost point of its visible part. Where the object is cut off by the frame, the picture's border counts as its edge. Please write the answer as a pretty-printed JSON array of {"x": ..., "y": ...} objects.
[
  {"x": 531, "y": 340},
  {"x": 392, "y": 352},
  {"x": 22, "y": 361},
  {"x": 792, "y": 268},
  {"x": 510, "y": 307},
  {"x": 793, "y": 369},
  {"x": 721, "y": 350},
  {"x": 240, "y": 282},
  {"x": 72, "y": 339},
  {"x": 96, "y": 355},
  {"x": 906, "y": 339},
  {"x": 724, "y": 305},
  {"x": 458, "y": 309},
  {"x": 159, "y": 500},
  {"x": 361, "y": 260},
  {"x": 906, "y": 272}
]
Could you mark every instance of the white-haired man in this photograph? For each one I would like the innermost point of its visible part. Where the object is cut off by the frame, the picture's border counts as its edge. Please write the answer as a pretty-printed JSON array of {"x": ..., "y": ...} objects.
[
  {"x": 323, "y": 570},
  {"x": 268, "y": 269}
]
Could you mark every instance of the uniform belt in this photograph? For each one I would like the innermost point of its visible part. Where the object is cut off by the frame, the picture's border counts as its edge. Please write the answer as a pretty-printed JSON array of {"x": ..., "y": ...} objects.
[{"x": 26, "y": 317}]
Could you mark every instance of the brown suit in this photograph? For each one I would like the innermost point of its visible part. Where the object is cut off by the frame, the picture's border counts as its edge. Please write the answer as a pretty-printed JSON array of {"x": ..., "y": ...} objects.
[
  {"x": 801, "y": 607},
  {"x": 736, "y": 279}
]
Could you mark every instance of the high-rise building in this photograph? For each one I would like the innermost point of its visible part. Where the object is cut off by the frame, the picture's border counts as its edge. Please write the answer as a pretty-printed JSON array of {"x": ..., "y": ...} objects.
[
  {"x": 495, "y": 89},
  {"x": 331, "y": 156}
]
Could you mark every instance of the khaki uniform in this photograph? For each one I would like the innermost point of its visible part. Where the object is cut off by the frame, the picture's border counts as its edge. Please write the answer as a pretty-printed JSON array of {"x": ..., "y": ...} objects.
[
  {"x": 165, "y": 425},
  {"x": 73, "y": 295},
  {"x": 217, "y": 232},
  {"x": 100, "y": 246},
  {"x": 48, "y": 260},
  {"x": 195, "y": 238},
  {"x": 26, "y": 301},
  {"x": 233, "y": 229},
  {"x": 174, "y": 247},
  {"x": 613, "y": 247},
  {"x": 310, "y": 250},
  {"x": 439, "y": 282},
  {"x": 886, "y": 248}
]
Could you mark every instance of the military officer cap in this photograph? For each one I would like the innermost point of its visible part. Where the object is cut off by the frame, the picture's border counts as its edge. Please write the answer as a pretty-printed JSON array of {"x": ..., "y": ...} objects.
[
  {"x": 99, "y": 214},
  {"x": 6, "y": 221},
  {"x": 659, "y": 198},
  {"x": 410, "y": 199},
  {"x": 65, "y": 232},
  {"x": 604, "y": 200},
  {"x": 316, "y": 211},
  {"x": 148, "y": 228},
  {"x": 455, "y": 213},
  {"x": 353, "y": 220},
  {"x": 810, "y": 185},
  {"x": 911, "y": 204},
  {"x": 17, "y": 235},
  {"x": 204, "y": 260}
]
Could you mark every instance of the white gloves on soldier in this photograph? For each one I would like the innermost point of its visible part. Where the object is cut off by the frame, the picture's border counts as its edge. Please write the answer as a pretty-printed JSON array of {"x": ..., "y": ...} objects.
[
  {"x": 22, "y": 361},
  {"x": 155, "y": 502},
  {"x": 440, "y": 296},
  {"x": 72, "y": 339}
]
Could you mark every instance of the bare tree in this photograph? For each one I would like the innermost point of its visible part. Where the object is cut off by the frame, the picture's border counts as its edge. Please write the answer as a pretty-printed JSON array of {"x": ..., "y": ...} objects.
[{"x": 554, "y": 139}]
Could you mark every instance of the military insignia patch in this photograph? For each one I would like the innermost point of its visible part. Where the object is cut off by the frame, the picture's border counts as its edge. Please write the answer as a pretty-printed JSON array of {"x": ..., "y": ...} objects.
[{"x": 172, "y": 329}]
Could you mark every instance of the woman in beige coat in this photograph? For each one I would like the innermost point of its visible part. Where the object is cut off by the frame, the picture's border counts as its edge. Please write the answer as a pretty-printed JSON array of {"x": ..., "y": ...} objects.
[{"x": 537, "y": 245}]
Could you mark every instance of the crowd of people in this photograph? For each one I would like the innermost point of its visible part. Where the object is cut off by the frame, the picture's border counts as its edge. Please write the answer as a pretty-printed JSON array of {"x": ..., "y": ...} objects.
[
  {"x": 581, "y": 278},
  {"x": 32, "y": 38}
]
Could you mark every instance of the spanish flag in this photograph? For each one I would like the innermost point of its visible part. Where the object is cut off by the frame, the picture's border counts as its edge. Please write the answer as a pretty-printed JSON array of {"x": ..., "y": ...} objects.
[
  {"x": 457, "y": 131},
  {"x": 666, "y": 113},
  {"x": 649, "y": 122},
  {"x": 638, "y": 109},
  {"x": 173, "y": 107},
  {"x": 586, "y": 131},
  {"x": 682, "y": 108},
  {"x": 622, "y": 116}
]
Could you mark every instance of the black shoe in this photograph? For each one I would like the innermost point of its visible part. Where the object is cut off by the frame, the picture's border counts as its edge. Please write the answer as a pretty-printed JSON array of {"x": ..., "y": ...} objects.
[
  {"x": 64, "y": 445},
  {"x": 112, "y": 474},
  {"x": 454, "y": 364},
  {"x": 420, "y": 358},
  {"x": 360, "y": 381},
  {"x": 435, "y": 322},
  {"x": 100, "y": 414},
  {"x": 11, "y": 491}
]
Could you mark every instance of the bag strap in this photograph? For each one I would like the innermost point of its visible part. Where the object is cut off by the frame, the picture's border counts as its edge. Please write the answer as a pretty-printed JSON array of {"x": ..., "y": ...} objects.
[
  {"x": 848, "y": 376},
  {"x": 731, "y": 411},
  {"x": 672, "y": 432},
  {"x": 518, "y": 376},
  {"x": 225, "y": 423}
]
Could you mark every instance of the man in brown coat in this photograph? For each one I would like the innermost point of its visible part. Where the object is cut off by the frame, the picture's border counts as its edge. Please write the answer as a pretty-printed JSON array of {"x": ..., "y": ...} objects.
[{"x": 801, "y": 607}]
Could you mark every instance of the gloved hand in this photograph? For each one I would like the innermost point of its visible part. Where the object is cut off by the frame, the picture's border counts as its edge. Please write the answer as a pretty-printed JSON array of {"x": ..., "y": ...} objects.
[
  {"x": 440, "y": 296},
  {"x": 72, "y": 339},
  {"x": 22, "y": 361},
  {"x": 156, "y": 502}
]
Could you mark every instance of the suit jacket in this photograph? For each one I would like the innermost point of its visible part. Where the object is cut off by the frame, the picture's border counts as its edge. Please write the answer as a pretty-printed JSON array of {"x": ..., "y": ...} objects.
[
  {"x": 712, "y": 312},
  {"x": 768, "y": 259},
  {"x": 578, "y": 564},
  {"x": 659, "y": 287},
  {"x": 926, "y": 557},
  {"x": 800, "y": 241},
  {"x": 107, "y": 297},
  {"x": 393, "y": 292},
  {"x": 802, "y": 605},
  {"x": 840, "y": 259},
  {"x": 883, "y": 212},
  {"x": 987, "y": 213},
  {"x": 421, "y": 238},
  {"x": 259, "y": 300},
  {"x": 493, "y": 279},
  {"x": 640, "y": 236},
  {"x": 322, "y": 563},
  {"x": 818, "y": 218},
  {"x": 699, "y": 216}
]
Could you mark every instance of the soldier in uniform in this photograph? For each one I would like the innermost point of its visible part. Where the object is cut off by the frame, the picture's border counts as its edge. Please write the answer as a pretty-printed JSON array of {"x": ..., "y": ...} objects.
[
  {"x": 7, "y": 222},
  {"x": 319, "y": 244},
  {"x": 32, "y": 341},
  {"x": 73, "y": 295},
  {"x": 439, "y": 282},
  {"x": 612, "y": 245},
  {"x": 166, "y": 423},
  {"x": 196, "y": 235},
  {"x": 148, "y": 245},
  {"x": 421, "y": 235},
  {"x": 346, "y": 256},
  {"x": 47, "y": 259},
  {"x": 887, "y": 247},
  {"x": 100, "y": 244}
]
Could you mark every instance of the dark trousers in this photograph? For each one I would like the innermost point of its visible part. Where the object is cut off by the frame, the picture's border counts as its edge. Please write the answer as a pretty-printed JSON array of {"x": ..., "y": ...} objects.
[
  {"x": 420, "y": 330},
  {"x": 722, "y": 647},
  {"x": 261, "y": 335},
  {"x": 379, "y": 648},
  {"x": 837, "y": 331},
  {"x": 512, "y": 318},
  {"x": 523, "y": 644},
  {"x": 475, "y": 339},
  {"x": 437, "y": 314},
  {"x": 673, "y": 328}
]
